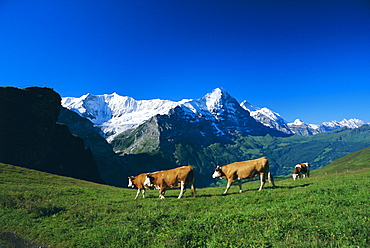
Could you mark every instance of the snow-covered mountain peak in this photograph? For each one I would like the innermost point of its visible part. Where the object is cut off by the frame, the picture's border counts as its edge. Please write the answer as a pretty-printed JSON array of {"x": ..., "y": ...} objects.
[
  {"x": 114, "y": 113},
  {"x": 351, "y": 123},
  {"x": 220, "y": 100},
  {"x": 216, "y": 98},
  {"x": 248, "y": 106},
  {"x": 217, "y": 95},
  {"x": 257, "y": 111},
  {"x": 298, "y": 122},
  {"x": 267, "y": 117}
]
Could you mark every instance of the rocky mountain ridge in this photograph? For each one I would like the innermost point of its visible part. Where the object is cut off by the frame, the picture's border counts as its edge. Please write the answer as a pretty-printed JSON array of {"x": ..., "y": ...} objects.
[
  {"x": 275, "y": 120},
  {"x": 114, "y": 114}
]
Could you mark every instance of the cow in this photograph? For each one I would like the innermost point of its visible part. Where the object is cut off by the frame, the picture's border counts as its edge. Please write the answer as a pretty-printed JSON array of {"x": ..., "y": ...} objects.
[
  {"x": 165, "y": 179},
  {"x": 237, "y": 171},
  {"x": 138, "y": 182},
  {"x": 301, "y": 170}
]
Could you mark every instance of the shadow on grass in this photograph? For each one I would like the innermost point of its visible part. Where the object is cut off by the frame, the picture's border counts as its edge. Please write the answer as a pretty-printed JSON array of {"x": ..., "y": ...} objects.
[
  {"x": 292, "y": 187},
  {"x": 233, "y": 193},
  {"x": 264, "y": 188}
]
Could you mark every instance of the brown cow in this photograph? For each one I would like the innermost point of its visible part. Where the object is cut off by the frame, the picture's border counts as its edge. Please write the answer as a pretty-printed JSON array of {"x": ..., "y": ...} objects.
[
  {"x": 138, "y": 182},
  {"x": 163, "y": 180},
  {"x": 235, "y": 172},
  {"x": 301, "y": 170}
]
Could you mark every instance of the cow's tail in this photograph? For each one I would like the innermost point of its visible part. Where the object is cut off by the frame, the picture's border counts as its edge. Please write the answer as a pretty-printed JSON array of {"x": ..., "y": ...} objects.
[{"x": 270, "y": 178}]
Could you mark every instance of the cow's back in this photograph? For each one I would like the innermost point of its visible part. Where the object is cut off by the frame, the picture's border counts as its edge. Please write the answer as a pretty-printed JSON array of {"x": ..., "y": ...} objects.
[
  {"x": 186, "y": 173},
  {"x": 304, "y": 168},
  {"x": 247, "y": 168},
  {"x": 172, "y": 177}
]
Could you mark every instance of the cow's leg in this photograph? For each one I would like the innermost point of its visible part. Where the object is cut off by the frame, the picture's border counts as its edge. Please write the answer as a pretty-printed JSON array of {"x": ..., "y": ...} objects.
[
  {"x": 143, "y": 192},
  {"x": 182, "y": 189},
  {"x": 240, "y": 186},
  {"x": 137, "y": 193},
  {"x": 193, "y": 189},
  {"x": 263, "y": 180},
  {"x": 227, "y": 187},
  {"x": 271, "y": 180},
  {"x": 161, "y": 193}
]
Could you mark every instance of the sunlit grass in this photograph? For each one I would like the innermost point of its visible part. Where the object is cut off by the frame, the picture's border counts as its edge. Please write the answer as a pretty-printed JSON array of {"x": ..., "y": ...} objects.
[{"x": 327, "y": 211}]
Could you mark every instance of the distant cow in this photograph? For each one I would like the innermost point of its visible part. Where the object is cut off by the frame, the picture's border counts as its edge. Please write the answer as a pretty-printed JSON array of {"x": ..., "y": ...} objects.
[
  {"x": 235, "y": 172},
  {"x": 301, "y": 170},
  {"x": 163, "y": 180},
  {"x": 138, "y": 182}
]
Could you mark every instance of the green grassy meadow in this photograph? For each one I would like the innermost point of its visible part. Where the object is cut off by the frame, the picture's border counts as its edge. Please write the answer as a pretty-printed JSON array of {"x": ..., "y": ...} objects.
[{"x": 326, "y": 210}]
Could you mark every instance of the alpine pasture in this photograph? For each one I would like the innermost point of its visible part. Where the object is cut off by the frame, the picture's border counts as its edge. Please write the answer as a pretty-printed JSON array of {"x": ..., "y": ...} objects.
[{"x": 326, "y": 210}]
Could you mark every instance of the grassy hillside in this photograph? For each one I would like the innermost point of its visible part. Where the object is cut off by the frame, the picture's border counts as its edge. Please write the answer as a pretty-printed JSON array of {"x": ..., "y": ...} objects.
[
  {"x": 323, "y": 211},
  {"x": 354, "y": 161}
]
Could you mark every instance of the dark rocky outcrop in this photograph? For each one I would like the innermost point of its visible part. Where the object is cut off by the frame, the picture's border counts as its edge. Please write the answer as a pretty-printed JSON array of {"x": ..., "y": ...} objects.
[{"x": 31, "y": 137}]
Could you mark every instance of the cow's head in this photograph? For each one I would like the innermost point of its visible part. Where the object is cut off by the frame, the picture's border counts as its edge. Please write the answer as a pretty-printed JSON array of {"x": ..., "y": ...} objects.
[
  {"x": 218, "y": 172},
  {"x": 148, "y": 181},
  {"x": 131, "y": 182}
]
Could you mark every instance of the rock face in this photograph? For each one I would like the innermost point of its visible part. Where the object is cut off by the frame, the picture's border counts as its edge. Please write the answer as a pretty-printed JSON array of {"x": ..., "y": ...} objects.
[
  {"x": 213, "y": 118},
  {"x": 112, "y": 168},
  {"x": 115, "y": 114},
  {"x": 31, "y": 137}
]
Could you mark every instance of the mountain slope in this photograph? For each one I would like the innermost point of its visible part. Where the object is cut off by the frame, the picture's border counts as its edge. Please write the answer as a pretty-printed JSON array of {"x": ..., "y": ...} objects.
[
  {"x": 354, "y": 161},
  {"x": 217, "y": 130},
  {"x": 213, "y": 130},
  {"x": 112, "y": 167},
  {"x": 181, "y": 143},
  {"x": 210, "y": 119},
  {"x": 151, "y": 135},
  {"x": 274, "y": 120},
  {"x": 267, "y": 117},
  {"x": 115, "y": 114}
]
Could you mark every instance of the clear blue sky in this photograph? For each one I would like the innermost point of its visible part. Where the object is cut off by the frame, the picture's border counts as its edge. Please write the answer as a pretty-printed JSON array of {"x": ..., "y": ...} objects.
[{"x": 302, "y": 59}]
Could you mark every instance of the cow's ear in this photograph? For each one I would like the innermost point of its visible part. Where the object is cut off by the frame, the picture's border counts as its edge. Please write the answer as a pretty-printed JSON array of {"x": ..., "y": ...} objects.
[{"x": 148, "y": 174}]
